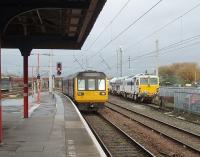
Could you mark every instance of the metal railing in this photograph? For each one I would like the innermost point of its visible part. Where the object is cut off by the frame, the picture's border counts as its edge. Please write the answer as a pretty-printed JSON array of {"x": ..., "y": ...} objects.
[
  {"x": 170, "y": 91},
  {"x": 185, "y": 98},
  {"x": 189, "y": 102}
]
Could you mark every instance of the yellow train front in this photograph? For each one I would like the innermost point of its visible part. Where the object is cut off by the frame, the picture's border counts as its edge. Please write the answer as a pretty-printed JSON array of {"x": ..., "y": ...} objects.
[
  {"x": 88, "y": 89},
  {"x": 148, "y": 87}
]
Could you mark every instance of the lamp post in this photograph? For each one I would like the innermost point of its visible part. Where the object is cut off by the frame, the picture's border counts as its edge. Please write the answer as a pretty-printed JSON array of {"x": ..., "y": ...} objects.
[{"x": 50, "y": 69}]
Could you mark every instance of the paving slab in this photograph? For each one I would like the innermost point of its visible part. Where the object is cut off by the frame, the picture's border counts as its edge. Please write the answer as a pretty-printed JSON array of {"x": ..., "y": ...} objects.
[
  {"x": 78, "y": 139},
  {"x": 38, "y": 136},
  {"x": 54, "y": 129}
]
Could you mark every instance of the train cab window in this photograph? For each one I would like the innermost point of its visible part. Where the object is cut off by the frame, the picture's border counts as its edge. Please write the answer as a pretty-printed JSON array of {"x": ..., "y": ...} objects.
[
  {"x": 91, "y": 84},
  {"x": 144, "y": 81},
  {"x": 153, "y": 81},
  {"x": 101, "y": 84},
  {"x": 81, "y": 84}
]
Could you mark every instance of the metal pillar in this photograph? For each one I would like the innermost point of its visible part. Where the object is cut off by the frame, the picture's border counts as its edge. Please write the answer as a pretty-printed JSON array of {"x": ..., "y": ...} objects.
[
  {"x": 117, "y": 62},
  {"x": 25, "y": 86},
  {"x": 32, "y": 84},
  {"x": 38, "y": 90},
  {"x": 38, "y": 79},
  {"x": 25, "y": 51},
  {"x": 1, "y": 127},
  {"x": 157, "y": 58},
  {"x": 50, "y": 72},
  {"x": 120, "y": 51}
]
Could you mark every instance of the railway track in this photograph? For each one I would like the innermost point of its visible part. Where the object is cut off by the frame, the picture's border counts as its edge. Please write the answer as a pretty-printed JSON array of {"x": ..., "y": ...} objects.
[
  {"x": 184, "y": 137},
  {"x": 114, "y": 140}
]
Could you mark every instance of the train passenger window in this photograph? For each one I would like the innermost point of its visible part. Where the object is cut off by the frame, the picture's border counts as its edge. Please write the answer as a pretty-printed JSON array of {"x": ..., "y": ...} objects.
[
  {"x": 144, "y": 81},
  {"x": 153, "y": 81},
  {"x": 81, "y": 84},
  {"x": 130, "y": 83},
  {"x": 101, "y": 84},
  {"x": 91, "y": 84}
]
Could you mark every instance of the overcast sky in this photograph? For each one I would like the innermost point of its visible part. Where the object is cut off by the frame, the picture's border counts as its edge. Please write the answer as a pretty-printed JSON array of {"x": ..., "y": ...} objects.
[{"x": 138, "y": 40}]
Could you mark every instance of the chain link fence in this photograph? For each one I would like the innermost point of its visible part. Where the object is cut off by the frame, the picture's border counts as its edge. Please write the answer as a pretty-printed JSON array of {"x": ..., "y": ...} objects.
[{"x": 181, "y": 98}]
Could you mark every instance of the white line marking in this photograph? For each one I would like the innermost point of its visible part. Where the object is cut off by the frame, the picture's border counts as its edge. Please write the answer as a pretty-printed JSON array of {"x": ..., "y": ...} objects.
[
  {"x": 32, "y": 109},
  {"x": 102, "y": 153}
]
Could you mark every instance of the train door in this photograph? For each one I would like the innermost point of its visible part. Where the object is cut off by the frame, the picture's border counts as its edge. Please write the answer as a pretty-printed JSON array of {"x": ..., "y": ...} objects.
[{"x": 136, "y": 85}]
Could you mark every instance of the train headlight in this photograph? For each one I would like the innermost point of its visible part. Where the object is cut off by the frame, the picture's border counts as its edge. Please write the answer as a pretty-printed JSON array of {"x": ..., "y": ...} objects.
[
  {"x": 80, "y": 93},
  {"x": 102, "y": 93}
]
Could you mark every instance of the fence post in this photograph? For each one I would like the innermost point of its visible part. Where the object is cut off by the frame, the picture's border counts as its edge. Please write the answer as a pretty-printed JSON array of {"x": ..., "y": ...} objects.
[{"x": 161, "y": 101}]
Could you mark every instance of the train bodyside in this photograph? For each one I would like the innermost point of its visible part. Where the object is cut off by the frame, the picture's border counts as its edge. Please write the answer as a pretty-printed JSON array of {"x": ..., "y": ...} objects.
[
  {"x": 139, "y": 87},
  {"x": 112, "y": 86},
  {"x": 88, "y": 89},
  {"x": 142, "y": 87},
  {"x": 119, "y": 85}
]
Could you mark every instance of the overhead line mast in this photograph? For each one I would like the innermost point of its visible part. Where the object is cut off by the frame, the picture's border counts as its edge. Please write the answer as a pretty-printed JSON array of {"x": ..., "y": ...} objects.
[
  {"x": 157, "y": 58},
  {"x": 120, "y": 50}
]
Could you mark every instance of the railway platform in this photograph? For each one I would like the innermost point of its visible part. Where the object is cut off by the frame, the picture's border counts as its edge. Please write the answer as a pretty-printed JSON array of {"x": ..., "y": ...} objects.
[{"x": 55, "y": 129}]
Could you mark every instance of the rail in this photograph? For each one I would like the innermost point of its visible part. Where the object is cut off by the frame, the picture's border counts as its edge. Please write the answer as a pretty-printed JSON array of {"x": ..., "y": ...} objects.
[
  {"x": 180, "y": 130},
  {"x": 108, "y": 130}
]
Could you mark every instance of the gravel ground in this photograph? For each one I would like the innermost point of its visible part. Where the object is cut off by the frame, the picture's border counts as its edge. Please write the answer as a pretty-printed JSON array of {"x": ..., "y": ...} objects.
[
  {"x": 185, "y": 138},
  {"x": 165, "y": 117},
  {"x": 117, "y": 144},
  {"x": 159, "y": 145}
]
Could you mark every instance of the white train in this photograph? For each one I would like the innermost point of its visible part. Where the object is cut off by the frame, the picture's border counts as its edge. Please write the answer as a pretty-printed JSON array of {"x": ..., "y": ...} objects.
[{"x": 138, "y": 88}]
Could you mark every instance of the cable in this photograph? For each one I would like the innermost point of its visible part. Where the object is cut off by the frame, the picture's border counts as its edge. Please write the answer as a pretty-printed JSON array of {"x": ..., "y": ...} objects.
[
  {"x": 185, "y": 41},
  {"x": 76, "y": 60},
  {"x": 164, "y": 26},
  {"x": 173, "y": 45},
  {"x": 103, "y": 61},
  {"x": 163, "y": 53},
  {"x": 176, "y": 44},
  {"x": 110, "y": 23},
  {"x": 127, "y": 28},
  {"x": 167, "y": 24}
]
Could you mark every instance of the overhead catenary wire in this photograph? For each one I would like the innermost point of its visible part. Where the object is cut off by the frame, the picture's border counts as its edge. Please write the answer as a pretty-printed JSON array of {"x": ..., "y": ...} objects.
[
  {"x": 165, "y": 25},
  {"x": 104, "y": 61},
  {"x": 109, "y": 24},
  {"x": 166, "y": 49},
  {"x": 126, "y": 29},
  {"x": 76, "y": 60},
  {"x": 185, "y": 41},
  {"x": 173, "y": 45}
]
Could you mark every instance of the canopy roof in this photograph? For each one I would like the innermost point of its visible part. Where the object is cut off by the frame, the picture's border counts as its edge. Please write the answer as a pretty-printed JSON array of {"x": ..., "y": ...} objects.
[{"x": 47, "y": 24}]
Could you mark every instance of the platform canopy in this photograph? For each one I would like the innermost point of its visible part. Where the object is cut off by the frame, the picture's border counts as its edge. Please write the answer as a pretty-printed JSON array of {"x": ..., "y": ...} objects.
[{"x": 47, "y": 24}]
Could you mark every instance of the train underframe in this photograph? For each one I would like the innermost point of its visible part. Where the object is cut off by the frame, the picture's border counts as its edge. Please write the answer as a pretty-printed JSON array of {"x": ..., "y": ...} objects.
[
  {"x": 138, "y": 97},
  {"x": 90, "y": 106}
]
